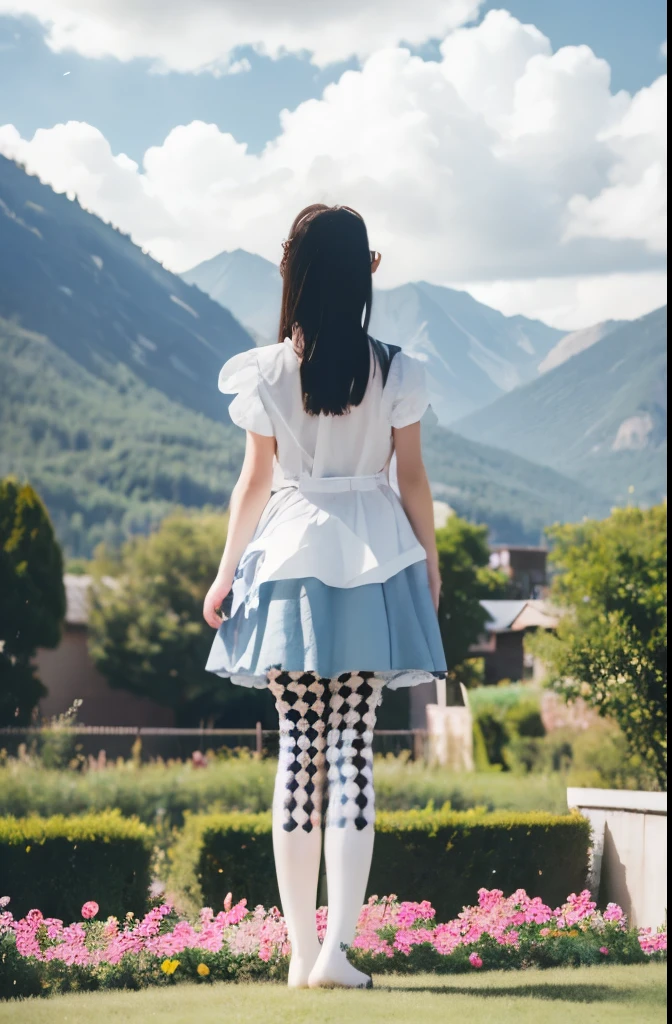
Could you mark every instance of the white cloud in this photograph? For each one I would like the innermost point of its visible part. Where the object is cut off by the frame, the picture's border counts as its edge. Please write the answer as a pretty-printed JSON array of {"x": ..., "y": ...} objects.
[
  {"x": 634, "y": 202},
  {"x": 573, "y": 302},
  {"x": 502, "y": 162},
  {"x": 204, "y": 34},
  {"x": 238, "y": 66}
]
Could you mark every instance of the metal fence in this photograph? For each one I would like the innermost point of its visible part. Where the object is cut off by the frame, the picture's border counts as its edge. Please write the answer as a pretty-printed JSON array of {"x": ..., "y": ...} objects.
[{"x": 414, "y": 740}]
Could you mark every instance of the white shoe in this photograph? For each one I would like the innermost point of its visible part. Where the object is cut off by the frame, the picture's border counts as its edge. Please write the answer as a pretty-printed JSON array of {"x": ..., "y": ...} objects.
[
  {"x": 300, "y": 969},
  {"x": 335, "y": 971}
]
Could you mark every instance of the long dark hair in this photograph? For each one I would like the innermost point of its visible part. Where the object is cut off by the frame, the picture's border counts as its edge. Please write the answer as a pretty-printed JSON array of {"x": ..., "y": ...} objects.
[{"x": 326, "y": 305}]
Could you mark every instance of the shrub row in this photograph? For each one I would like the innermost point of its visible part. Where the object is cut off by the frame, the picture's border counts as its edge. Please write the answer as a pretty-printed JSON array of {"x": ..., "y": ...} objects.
[
  {"x": 241, "y": 783},
  {"x": 59, "y": 863},
  {"x": 441, "y": 856}
]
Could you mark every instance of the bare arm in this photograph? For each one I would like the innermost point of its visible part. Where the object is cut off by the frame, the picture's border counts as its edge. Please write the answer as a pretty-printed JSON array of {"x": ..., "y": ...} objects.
[
  {"x": 416, "y": 497},
  {"x": 248, "y": 500}
]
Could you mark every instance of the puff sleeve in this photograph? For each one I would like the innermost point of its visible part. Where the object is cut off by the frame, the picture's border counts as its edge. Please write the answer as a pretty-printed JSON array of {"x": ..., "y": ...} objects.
[
  {"x": 410, "y": 398},
  {"x": 241, "y": 376}
]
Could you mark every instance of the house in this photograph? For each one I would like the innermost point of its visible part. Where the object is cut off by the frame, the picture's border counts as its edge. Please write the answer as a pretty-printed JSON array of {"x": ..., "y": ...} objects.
[
  {"x": 525, "y": 567},
  {"x": 69, "y": 673},
  {"x": 502, "y": 644}
]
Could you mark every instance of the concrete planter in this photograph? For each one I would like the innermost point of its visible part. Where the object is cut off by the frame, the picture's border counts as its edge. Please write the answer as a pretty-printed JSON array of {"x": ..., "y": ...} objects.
[{"x": 629, "y": 860}]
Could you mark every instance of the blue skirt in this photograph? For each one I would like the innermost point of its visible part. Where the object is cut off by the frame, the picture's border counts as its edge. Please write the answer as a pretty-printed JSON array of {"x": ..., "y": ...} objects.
[{"x": 303, "y": 625}]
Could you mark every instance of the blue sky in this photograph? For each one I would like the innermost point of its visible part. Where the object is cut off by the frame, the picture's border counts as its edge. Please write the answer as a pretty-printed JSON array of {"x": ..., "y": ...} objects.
[
  {"x": 136, "y": 109},
  {"x": 522, "y": 157}
]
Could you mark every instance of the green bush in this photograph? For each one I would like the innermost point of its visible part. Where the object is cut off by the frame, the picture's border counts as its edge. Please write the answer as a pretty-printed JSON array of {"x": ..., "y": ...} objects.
[
  {"x": 524, "y": 719},
  {"x": 57, "y": 864},
  {"x": 507, "y": 720},
  {"x": 501, "y": 697},
  {"x": 494, "y": 735},
  {"x": 148, "y": 791},
  {"x": 441, "y": 856},
  {"x": 165, "y": 792},
  {"x": 600, "y": 758}
]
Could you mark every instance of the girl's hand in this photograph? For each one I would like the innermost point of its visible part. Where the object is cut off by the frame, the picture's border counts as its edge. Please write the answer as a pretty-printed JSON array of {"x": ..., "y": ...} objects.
[
  {"x": 213, "y": 600},
  {"x": 434, "y": 577}
]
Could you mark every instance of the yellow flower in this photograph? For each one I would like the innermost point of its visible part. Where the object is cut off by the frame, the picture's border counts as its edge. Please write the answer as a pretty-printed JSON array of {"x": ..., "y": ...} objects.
[
  {"x": 573, "y": 933},
  {"x": 170, "y": 966},
  {"x": 203, "y": 970}
]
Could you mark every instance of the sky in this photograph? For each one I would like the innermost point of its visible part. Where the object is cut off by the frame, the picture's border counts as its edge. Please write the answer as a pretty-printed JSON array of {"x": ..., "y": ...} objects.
[{"x": 518, "y": 152}]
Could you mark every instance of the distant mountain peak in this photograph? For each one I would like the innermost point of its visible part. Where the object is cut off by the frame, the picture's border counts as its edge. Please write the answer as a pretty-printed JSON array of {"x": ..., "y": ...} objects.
[
  {"x": 472, "y": 352},
  {"x": 577, "y": 341},
  {"x": 599, "y": 414}
]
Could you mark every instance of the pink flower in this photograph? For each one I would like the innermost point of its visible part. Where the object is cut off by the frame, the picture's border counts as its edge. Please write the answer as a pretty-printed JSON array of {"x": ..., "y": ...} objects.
[
  {"x": 613, "y": 913},
  {"x": 653, "y": 942},
  {"x": 576, "y": 909},
  {"x": 321, "y": 922},
  {"x": 6, "y": 922},
  {"x": 54, "y": 927},
  {"x": 475, "y": 960},
  {"x": 604, "y": 951},
  {"x": 89, "y": 910}
]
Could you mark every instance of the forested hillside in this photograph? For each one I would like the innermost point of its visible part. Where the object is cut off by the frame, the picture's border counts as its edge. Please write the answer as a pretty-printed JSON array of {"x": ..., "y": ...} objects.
[
  {"x": 66, "y": 274},
  {"x": 109, "y": 456}
]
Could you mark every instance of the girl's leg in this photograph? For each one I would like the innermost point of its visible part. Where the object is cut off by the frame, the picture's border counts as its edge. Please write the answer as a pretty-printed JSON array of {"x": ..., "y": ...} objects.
[
  {"x": 297, "y": 811},
  {"x": 348, "y": 843}
]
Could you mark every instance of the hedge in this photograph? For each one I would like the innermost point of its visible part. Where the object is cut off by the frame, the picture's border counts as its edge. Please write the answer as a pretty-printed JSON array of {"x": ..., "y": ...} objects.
[
  {"x": 56, "y": 864},
  {"x": 441, "y": 856},
  {"x": 242, "y": 784}
]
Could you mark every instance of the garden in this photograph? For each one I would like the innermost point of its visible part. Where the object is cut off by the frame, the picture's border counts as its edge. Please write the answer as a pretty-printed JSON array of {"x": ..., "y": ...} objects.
[{"x": 141, "y": 884}]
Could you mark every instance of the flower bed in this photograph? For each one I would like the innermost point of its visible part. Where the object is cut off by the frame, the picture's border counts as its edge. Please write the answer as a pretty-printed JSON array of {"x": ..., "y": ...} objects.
[{"x": 39, "y": 955}]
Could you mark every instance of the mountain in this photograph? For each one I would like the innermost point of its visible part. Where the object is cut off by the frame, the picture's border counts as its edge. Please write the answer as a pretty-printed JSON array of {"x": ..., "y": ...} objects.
[
  {"x": 515, "y": 497},
  {"x": 79, "y": 282},
  {"x": 577, "y": 341},
  {"x": 600, "y": 417},
  {"x": 108, "y": 393},
  {"x": 473, "y": 353},
  {"x": 248, "y": 285}
]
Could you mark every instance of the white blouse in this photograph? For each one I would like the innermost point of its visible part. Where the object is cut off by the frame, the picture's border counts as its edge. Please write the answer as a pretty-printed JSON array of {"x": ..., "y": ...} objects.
[{"x": 333, "y": 515}]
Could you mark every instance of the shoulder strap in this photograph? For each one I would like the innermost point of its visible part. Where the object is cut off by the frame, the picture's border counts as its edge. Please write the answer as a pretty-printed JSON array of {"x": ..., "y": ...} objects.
[{"x": 384, "y": 354}]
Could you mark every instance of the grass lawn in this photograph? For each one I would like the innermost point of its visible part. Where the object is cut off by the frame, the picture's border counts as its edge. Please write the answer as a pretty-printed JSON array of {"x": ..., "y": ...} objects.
[{"x": 597, "y": 995}]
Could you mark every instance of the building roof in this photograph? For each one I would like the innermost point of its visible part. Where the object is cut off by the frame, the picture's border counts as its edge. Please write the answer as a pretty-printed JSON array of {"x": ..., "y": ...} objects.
[
  {"x": 501, "y": 614},
  {"x": 537, "y": 614},
  {"x": 77, "y": 597},
  {"x": 512, "y": 616}
]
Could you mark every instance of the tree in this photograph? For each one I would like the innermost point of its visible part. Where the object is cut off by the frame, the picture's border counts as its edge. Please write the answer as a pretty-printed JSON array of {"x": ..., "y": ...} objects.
[
  {"x": 32, "y": 597},
  {"x": 147, "y": 633},
  {"x": 611, "y": 645},
  {"x": 463, "y": 560}
]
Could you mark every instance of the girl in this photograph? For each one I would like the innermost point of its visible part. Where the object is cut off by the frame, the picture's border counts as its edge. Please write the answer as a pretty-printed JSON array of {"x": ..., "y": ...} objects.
[{"x": 330, "y": 582}]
